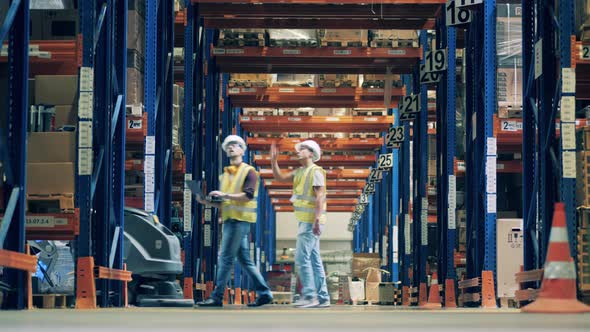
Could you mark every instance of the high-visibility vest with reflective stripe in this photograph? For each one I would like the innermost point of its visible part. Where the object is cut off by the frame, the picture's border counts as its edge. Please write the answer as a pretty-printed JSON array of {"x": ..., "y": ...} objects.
[
  {"x": 304, "y": 196},
  {"x": 230, "y": 209}
]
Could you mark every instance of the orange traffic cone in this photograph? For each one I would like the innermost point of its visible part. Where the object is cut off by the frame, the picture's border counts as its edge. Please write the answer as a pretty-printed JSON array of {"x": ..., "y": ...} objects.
[
  {"x": 434, "y": 294},
  {"x": 558, "y": 289}
]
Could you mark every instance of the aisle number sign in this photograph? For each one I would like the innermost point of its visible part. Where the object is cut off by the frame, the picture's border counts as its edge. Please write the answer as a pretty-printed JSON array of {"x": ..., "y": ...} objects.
[
  {"x": 410, "y": 104},
  {"x": 585, "y": 53},
  {"x": 457, "y": 15},
  {"x": 364, "y": 199},
  {"x": 369, "y": 188},
  {"x": 385, "y": 161},
  {"x": 435, "y": 61},
  {"x": 375, "y": 176},
  {"x": 428, "y": 77},
  {"x": 395, "y": 136}
]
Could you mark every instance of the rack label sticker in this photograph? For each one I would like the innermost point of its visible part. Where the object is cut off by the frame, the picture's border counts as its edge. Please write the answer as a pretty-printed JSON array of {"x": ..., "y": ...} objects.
[
  {"x": 150, "y": 182},
  {"x": 506, "y": 125},
  {"x": 538, "y": 58},
  {"x": 342, "y": 52},
  {"x": 258, "y": 118},
  {"x": 585, "y": 52},
  {"x": 452, "y": 195},
  {"x": 568, "y": 136},
  {"x": 86, "y": 79},
  {"x": 249, "y": 90},
  {"x": 396, "y": 52},
  {"x": 234, "y": 51},
  {"x": 292, "y": 52},
  {"x": 86, "y": 105},
  {"x": 568, "y": 78},
  {"x": 452, "y": 218},
  {"x": 61, "y": 221},
  {"x": 218, "y": 51},
  {"x": 491, "y": 202},
  {"x": 294, "y": 119},
  {"x": 492, "y": 146},
  {"x": 208, "y": 216},
  {"x": 187, "y": 210},
  {"x": 328, "y": 90},
  {"x": 149, "y": 202},
  {"x": 474, "y": 126},
  {"x": 39, "y": 221},
  {"x": 370, "y": 119},
  {"x": 569, "y": 164},
  {"x": 491, "y": 174},
  {"x": 150, "y": 145},
  {"x": 376, "y": 90},
  {"x": 85, "y": 134},
  {"x": 333, "y": 119},
  {"x": 424, "y": 222},
  {"x": 568, "y": 109},
  {"x": 407, "y": 239},
  {"x": 85, "y": 161},
  {"x": 207, "y": 235},
  {"x": 234, "y": 91},
  {"x": 150, "y": 164},
  {"x": 134, "y": 124},
  {"x": 286, "y": 90}
]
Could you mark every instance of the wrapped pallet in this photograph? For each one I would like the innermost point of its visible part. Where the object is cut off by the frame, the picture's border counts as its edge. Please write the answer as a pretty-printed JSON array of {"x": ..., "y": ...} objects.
[
  {"x": 241, "y": 37},
  {"x": 337, "y": 80},
  {"x": 294, "y": 80},
  {"x": 293, "y": 37},
  {"x": 378, "y": 81},
  {"x": 251, "y": 80}
]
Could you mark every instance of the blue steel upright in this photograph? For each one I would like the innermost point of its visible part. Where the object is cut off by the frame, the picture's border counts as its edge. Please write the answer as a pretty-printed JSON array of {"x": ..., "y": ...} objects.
[
  {"x": 394, "y": 239},
  {"x": 13, "y": 145}
]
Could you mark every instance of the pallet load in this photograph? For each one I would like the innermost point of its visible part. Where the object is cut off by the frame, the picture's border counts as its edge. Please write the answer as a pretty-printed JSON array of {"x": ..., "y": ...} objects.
[
  {"x": 250, "y": 80},
  {"x": 293, "y": 38},
  {"x": 241, "y": 38},
  {"x": 372, "y": 81},
  {"x": 337, "y": 81},
  {"x": 343, "y": 38},
  {"x": 293, "y": 80},
  {"x": 393, "y": 38},
  {"x": 583, "y": 257}
]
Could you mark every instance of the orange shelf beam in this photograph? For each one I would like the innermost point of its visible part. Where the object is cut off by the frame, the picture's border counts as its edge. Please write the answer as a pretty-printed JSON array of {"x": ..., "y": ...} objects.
[
  {"x": 327, "y": 144},
  {"x": 312, "y": 97},
  {"x": 342, "y": 184},
  {"x": 350, "y": 174},
  {"x": 325, "y": 161},
  {"x": 286, "y": 194},
  {"x": 52, "y": 57},
  {"x": 284, "y": 208},
  {"x": 52, "y": 226},
  {"x": 280, "y": 124},
  {"x": 18, "y": 260},
  {"x": 316, "y": 60}
]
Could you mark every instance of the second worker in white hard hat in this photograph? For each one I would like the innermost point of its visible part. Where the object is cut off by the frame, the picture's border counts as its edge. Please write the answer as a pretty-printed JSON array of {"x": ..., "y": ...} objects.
[
  {"x": 239, "y": 191},
  {"x": 309, "y": 202}
]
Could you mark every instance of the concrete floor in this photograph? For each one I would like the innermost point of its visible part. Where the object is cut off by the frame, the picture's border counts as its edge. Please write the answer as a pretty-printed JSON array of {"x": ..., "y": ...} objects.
[{"x": 285, "y": 318}]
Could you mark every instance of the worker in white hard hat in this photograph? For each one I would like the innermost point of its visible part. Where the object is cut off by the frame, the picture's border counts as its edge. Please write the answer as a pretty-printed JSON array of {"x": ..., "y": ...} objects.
[
  {"x": 238, "y": 195},
  {"x": 309, "y": 202}
]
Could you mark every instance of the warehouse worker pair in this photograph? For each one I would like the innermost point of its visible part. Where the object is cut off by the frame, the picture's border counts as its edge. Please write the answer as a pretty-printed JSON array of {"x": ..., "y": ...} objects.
[{"x": 239, "y": 190}]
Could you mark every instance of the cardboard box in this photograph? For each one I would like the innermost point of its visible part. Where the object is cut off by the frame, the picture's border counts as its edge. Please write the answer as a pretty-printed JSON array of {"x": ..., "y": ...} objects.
[
  {"x": 65, "y": 115},
  {"x": 251, "y": 80},
  {"x": 135, "y": 87},
  {"x": 372, "y": 284},
  {"x": 362, "y": 261},
  {"x": 344, "y": 37},
  {"x": 509, "y": 244},
  {"x": 337, "y": 80},
  {"x": 431, "y": 167},
  {"x": 51, "y": 147},
  {"x": 59, "y": 24},
  {"x": 135, "y": 31},
  {"x": 56, "y": 89},
  {"x": 510, "y": 87},
  {"x": 583, "y": 178},
  {"x": 50, "y": 178}
]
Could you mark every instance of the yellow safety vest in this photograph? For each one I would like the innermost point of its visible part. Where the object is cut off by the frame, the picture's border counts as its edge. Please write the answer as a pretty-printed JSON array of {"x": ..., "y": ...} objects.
[
  {"x": 304, "y": 196},
  {"x": 230, "y": 209}
]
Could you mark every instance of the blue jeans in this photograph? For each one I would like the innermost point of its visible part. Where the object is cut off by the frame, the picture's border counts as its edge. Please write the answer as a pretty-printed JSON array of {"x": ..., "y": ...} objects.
[
  {"x": 234, "y": 243},
  {"x": 309, "y": 263}
]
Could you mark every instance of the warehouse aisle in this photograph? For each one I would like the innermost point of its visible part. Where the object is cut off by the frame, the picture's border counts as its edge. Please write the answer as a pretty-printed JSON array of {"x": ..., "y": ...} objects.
[{"x": 285, "y": 318}]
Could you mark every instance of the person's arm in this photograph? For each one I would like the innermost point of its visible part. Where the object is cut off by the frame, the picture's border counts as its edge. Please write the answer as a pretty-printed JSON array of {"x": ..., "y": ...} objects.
[
  {"x": 240, "y": 197},
  {"x": 320, "y": 198},
  {"x": 276, "y": 170},
  {"x": 249, "y": 187}
]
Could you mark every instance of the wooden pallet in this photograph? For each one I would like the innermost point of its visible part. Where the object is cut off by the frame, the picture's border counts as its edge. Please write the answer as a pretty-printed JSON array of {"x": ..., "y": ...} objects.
[
  {"x": 343, "y": 43},
  {"x": 50, "y": 301},
  {"x": 394, "y": 43},
  {"x": 51, "y": 203}
]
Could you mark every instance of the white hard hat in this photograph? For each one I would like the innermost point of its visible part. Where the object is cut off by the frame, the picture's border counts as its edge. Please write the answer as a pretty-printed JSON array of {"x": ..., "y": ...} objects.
[
  {"x": 313, "y": 146},
  {"x": 233, "y": 139}
]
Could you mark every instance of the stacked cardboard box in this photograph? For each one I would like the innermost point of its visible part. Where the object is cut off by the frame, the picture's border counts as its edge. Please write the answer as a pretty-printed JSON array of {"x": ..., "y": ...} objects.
[
  {"x": 293, "y": 37},
  {"x": 582, "y": 9},
  {"x": 135, "y": 52},
  {"x": 378, "y": 81},
  {"x": 251, "y": 80},
  {"x": 294, "y": 80},
  {"x": 54, "y": 106},
  {"x": 241, "y": 38}
]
